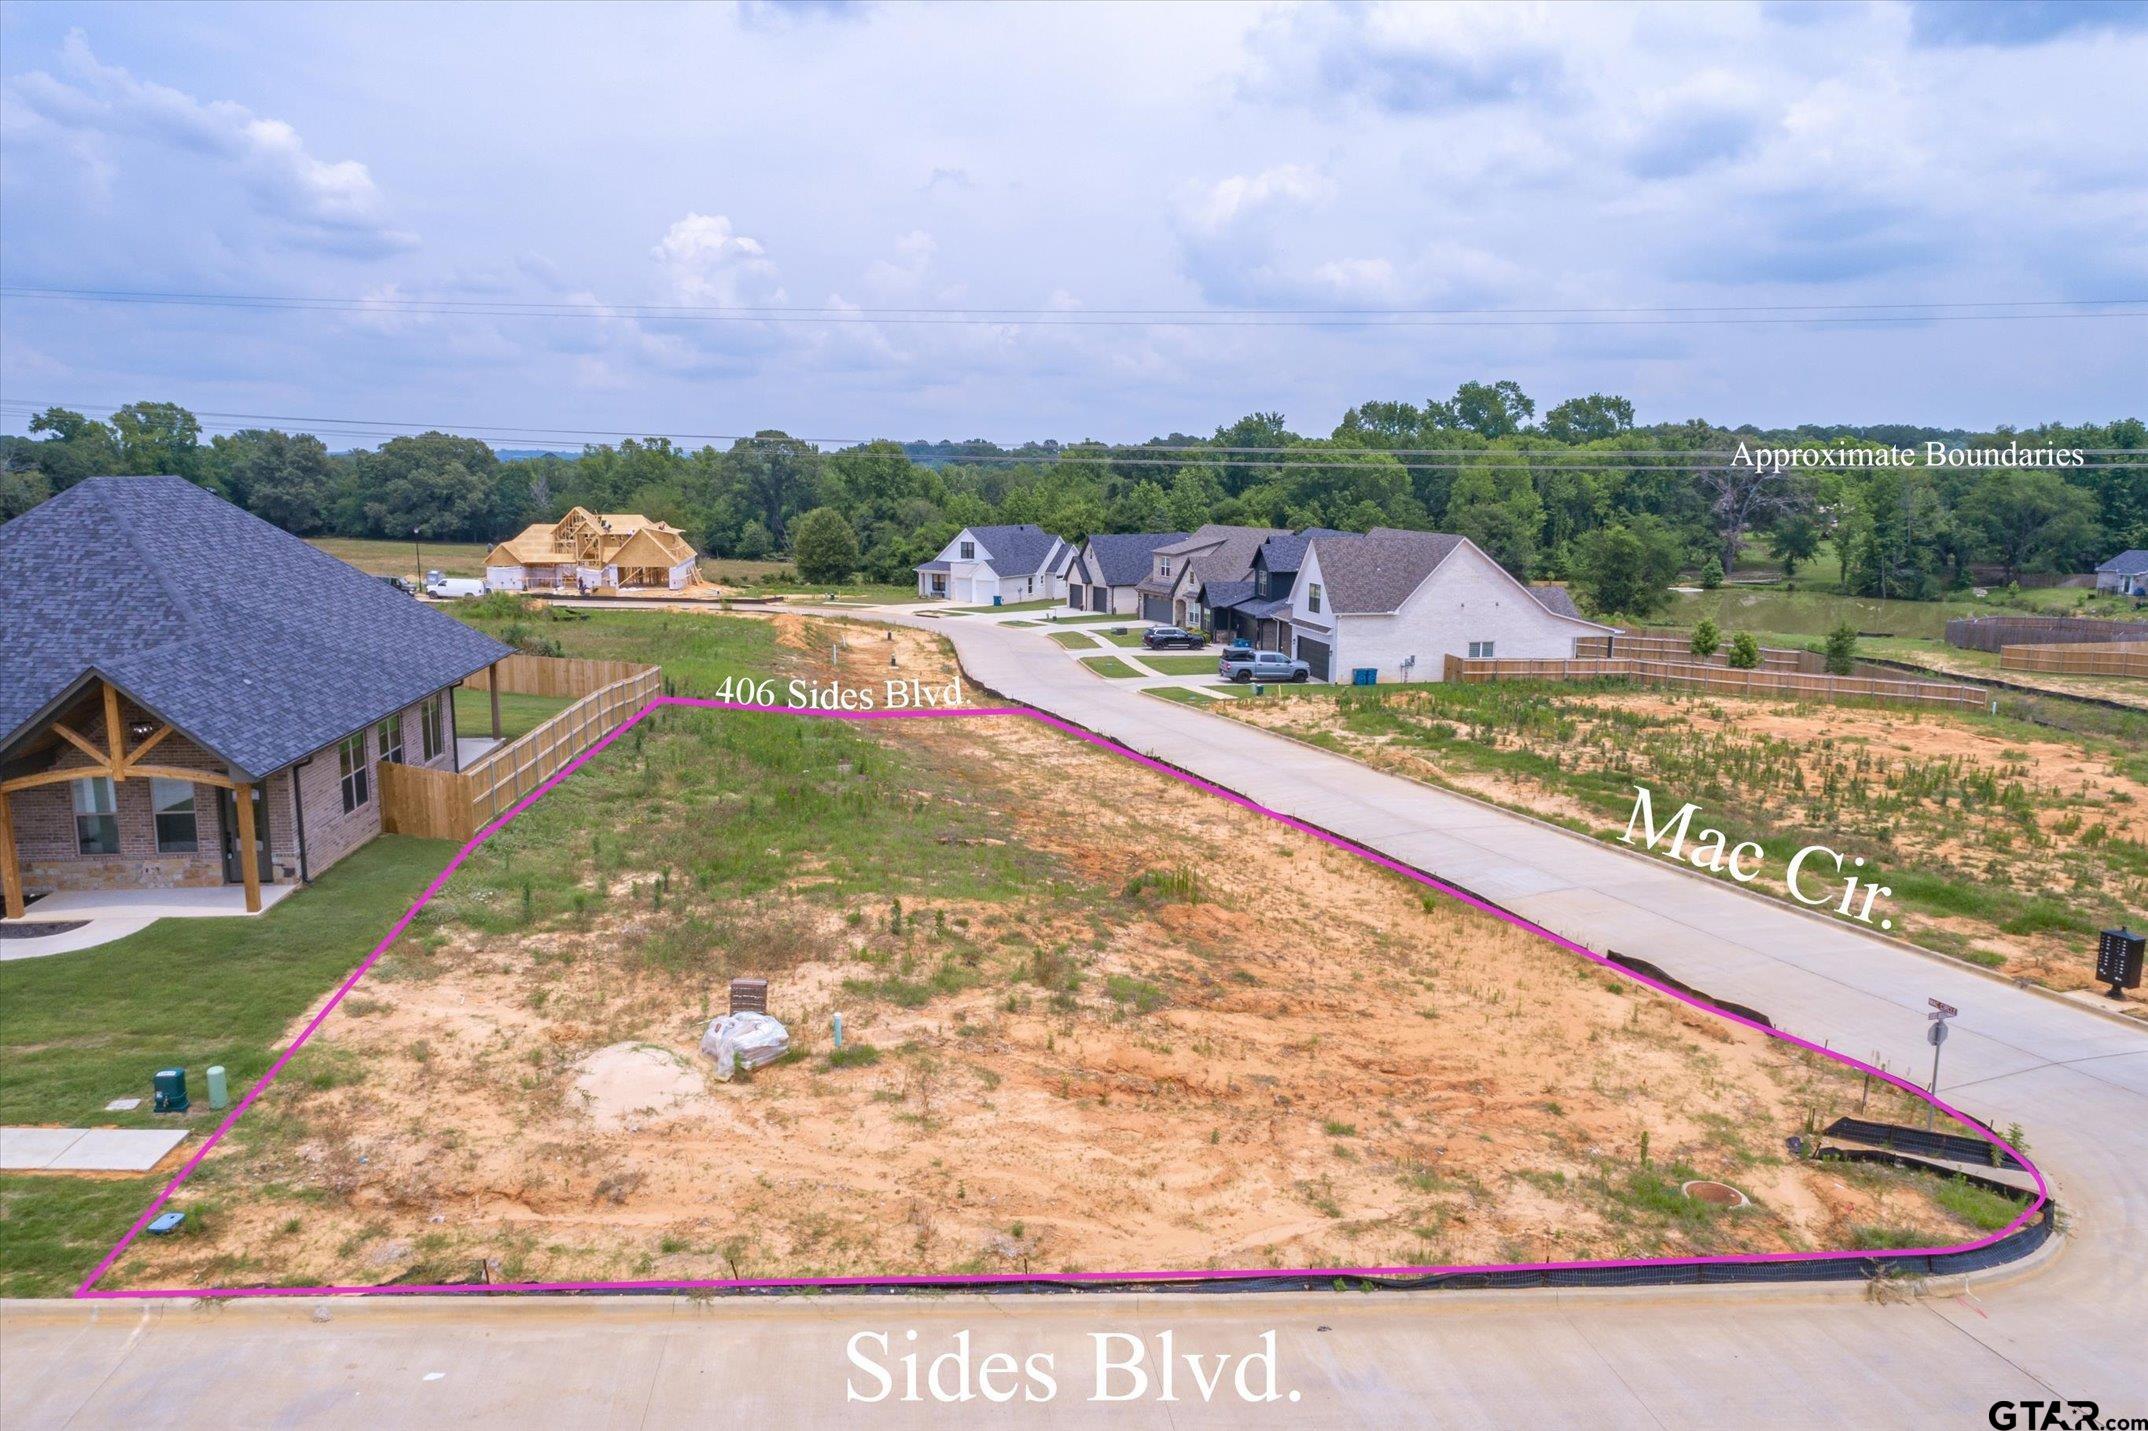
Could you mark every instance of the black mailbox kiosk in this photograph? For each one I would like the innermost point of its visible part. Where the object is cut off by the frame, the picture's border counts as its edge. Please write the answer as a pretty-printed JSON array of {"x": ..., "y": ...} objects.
[{"x": 2118, "y": 961}]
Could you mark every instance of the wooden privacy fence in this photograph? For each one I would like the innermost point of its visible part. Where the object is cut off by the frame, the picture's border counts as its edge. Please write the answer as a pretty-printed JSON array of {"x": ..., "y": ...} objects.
[
  {"x": 571, "y": 677},
  {"x": 1712, "y": 678},
  {"x": 454, "y": 805},
  {"x": 1679, "y": 649},
  {"x": 2105, "y": 658},
  {"x": 1995, "y": 633}
]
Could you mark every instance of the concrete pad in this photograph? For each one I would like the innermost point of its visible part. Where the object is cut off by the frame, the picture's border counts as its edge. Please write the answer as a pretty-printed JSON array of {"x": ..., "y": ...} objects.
[
  {"x": 117, "y": 1150},
  {"x": 30, "y": 1148}
]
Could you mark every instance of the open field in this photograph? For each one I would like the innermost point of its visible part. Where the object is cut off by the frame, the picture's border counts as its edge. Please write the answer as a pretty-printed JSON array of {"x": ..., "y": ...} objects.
[
  {"x": 78, "y": 1030},
  {"x": 396, "y": 558},
  {"x": 1094, "y": 1018},
  {"x": 2004, "y": 843}
]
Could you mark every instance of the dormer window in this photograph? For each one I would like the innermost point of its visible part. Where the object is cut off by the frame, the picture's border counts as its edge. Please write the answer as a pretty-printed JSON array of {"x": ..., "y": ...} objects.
[
  {"x": 969, "y": 551},
  {"x": 1163, "y": 566}
]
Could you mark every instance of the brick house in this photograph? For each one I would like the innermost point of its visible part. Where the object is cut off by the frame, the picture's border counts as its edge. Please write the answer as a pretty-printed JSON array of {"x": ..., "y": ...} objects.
[{"x": 183, "y": 684}]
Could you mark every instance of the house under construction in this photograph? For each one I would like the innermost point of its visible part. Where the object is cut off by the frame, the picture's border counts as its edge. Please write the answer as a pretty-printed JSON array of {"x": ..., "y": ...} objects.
[{"x": 590, "y": 551}]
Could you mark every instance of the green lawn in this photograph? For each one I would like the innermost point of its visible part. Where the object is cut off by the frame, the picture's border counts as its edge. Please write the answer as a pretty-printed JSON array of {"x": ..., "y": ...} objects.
[
  {"x": 1096, "y": 619},
  {"x": 1110, "y": 666},
  {"x": 78, "y": 1030},
  {"x": 1074, "y": 640},
  {"x": 1045, "y": 605},
  {"x": 519, "y": 714},
  {"x": 1187, "y": 664}
]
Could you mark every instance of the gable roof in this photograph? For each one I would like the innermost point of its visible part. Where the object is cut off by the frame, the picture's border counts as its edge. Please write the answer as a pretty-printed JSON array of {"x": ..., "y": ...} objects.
[
  {"x": 1123, "y": 558},
  {"x": 257, "y": 646},
  {"x": 1286, "y": 550},
  {"x": 1223, "y": 595},
  {"x": 2135, "y": 560},
  {"x": 1376, "y": 572},
  {"x": 1024, "y": 550}
]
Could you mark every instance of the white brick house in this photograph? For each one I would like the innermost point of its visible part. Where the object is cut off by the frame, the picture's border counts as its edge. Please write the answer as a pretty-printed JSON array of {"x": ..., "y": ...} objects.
[
  {"x": 997, "y": 566},
  {"x": 1399, "y": 603}
]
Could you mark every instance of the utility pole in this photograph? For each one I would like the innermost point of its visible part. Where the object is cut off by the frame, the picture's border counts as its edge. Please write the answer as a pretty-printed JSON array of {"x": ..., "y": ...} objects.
[{"x": 417, "y": 553}]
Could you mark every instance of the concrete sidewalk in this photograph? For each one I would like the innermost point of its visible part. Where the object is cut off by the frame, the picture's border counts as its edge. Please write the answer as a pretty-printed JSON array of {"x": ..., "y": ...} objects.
[{"x": 86, "y": 1150}]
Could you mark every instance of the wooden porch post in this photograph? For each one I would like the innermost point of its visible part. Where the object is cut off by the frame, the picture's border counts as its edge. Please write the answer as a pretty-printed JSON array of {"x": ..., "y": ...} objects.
[
  {"x": 249, "y": 861},
  {"x": 10, "y": 872},
  {"x": 492, "y": 685}
]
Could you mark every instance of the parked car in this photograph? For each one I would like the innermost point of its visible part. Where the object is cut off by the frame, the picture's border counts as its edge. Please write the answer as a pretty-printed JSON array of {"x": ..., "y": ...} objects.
[
  {"x": 1261, "y": 666},
  {"x": 1163, "y": 638},
  {"x": 402, "y": 584},
  {"x": 449, "y": 588}
]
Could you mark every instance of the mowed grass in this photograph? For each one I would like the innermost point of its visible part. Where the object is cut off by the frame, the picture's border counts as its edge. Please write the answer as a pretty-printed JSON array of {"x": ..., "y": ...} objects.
[
  {"x": 1109, "y": 666},
  {"x": 78, "y": 1030},
  {"x": 519, "y": 714},
  {"x": 1188, "y": 664},
  {"x": 396, "y": 558}
]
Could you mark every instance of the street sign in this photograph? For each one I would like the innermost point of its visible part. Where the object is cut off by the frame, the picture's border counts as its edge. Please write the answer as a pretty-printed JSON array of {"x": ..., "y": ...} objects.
[
  {"x": 1936, "y": 1035},
  {"x": 1946, "y": 1011}
]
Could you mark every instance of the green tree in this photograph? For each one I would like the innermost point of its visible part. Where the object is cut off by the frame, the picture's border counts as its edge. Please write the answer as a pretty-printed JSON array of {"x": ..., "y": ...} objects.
[
  {"x": 1498, "y": 409},
  {"x": 1589, "y": 419},
  {"x": 1795, "y": 540},
  {"x": 442, "y": 485},
  {"x": 1711, "y": 573},
  {"x": 1744, "y": 652},
  {"x": 279, "y": 477},
  {"x": 73, "y": 447},
  {"x": 1626, "y": 568},
  {"x": 1707, "y": 639},
  {"x": 21, "y": 488},
  {"x": 158, "y": 437},
  {"x": 2031, "y": 521},
  {"x": 1842, "y": 650},
  {"x": 753, "y": 542},
  {"x": 823, "y": 547},
  {"x": 1495, "y": 505}
]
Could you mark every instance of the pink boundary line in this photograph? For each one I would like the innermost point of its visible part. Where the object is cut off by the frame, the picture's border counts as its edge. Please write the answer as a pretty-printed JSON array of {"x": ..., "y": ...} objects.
[{"x": 88, "y": 1289}]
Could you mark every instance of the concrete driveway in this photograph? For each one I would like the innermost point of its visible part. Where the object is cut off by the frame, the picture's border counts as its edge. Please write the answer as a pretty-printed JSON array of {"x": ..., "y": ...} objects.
[{"x": 2067, "y": 1325}]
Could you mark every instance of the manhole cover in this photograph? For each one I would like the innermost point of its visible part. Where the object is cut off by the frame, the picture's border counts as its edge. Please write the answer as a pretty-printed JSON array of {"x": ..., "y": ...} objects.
[{"x": 1718, "y": 1194}]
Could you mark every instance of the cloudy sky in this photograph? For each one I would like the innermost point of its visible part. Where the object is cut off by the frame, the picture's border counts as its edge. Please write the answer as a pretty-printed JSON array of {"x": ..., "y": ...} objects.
[{"x": 1506, "y": 173}]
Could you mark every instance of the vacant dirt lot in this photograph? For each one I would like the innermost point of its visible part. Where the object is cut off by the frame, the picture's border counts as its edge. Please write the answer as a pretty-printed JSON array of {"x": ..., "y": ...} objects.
[
  {"x": 1094, "y": 1020},
  {"x": 2004, "y": 843}
]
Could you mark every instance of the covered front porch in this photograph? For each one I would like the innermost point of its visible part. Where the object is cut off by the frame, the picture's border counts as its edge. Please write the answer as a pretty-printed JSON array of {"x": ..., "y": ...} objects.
[{"x": 103, "y": 798}]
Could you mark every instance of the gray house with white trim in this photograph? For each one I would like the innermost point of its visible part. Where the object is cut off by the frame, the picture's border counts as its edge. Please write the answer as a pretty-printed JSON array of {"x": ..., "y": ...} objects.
[
  {"x": 1108, "y": 566},
  {"x": 996, "y": 566},
  {"x": 2126, "y": 573}
]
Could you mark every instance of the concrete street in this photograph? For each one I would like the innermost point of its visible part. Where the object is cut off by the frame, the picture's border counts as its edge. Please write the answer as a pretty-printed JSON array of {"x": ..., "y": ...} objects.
[{"x": 2068, "y": 1325}]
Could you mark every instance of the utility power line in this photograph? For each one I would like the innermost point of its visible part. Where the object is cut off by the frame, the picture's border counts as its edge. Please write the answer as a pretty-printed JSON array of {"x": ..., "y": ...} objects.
[{"x": 1994, "y": 310}]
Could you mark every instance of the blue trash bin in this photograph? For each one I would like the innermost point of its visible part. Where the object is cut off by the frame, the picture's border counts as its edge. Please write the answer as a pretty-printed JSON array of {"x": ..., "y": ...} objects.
[{"x": 1365, "y": 676}]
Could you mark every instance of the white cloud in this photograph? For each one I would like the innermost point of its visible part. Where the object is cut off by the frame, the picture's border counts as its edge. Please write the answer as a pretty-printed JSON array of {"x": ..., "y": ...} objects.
[
  {"x": 97, "y": 110},
  {"x": 1215, "y": 207},
  {"x": 707, "y": 263}
]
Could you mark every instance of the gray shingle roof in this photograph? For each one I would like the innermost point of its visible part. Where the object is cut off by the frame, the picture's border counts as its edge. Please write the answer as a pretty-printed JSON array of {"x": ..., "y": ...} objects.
[
  {"x": 1016, "y": 551},
  {"x": 1286, "y": 550},
  {"x": 1557, "y": 601},
  {"x": 1378, "y": 570},
  {"x": 1223, "y": 595},
  {"x": 1123, "y": 558},
  {"x": 2135, "y": 560},
  {"x": 257, "y": 646}
]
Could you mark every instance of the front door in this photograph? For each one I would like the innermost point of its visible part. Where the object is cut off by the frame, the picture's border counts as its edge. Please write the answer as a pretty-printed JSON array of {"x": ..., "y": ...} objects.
[{"x": 228, "y": 817}]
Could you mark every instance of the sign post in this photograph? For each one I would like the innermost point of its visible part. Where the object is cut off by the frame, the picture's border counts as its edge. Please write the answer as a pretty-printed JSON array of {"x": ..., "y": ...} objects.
[{"x": 1936, "y": 1036}]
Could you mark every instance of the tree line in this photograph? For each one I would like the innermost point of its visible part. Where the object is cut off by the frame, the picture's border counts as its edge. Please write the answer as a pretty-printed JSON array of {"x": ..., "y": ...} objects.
[{"x": 1580, "y": 494}]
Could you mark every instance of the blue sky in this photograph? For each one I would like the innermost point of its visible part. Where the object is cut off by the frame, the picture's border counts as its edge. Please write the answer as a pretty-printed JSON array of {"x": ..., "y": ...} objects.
[{"x": 1075, "y": 160}]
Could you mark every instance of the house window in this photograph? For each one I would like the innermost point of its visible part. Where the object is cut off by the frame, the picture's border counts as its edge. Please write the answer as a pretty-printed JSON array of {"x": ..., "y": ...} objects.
[
  {"x": 96, "y": 817},
  {"x": 969, "y": 551},
  {"x": 357, "y": 780},
  {"x": 173, "y": 802},
  {"x": 1312, "y": 597},
  {"x": 430, "y": 728},
  {"x": 1481, "y": 650},
  {"x": 390, "y": 735},
  {"x": 1163, "y": 567}
]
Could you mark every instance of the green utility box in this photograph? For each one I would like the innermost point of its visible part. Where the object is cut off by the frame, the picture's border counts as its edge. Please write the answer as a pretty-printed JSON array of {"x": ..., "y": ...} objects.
[{"x": 171, "y": 1090}]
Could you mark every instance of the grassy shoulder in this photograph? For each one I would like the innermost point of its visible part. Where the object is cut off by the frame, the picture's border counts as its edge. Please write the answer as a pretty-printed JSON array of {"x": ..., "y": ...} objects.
[{"x": 2003, "y": 843}]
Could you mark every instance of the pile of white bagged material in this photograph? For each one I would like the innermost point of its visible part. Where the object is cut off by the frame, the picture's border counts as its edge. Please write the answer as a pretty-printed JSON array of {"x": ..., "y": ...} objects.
[{"x": 747, "y": 1041}]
